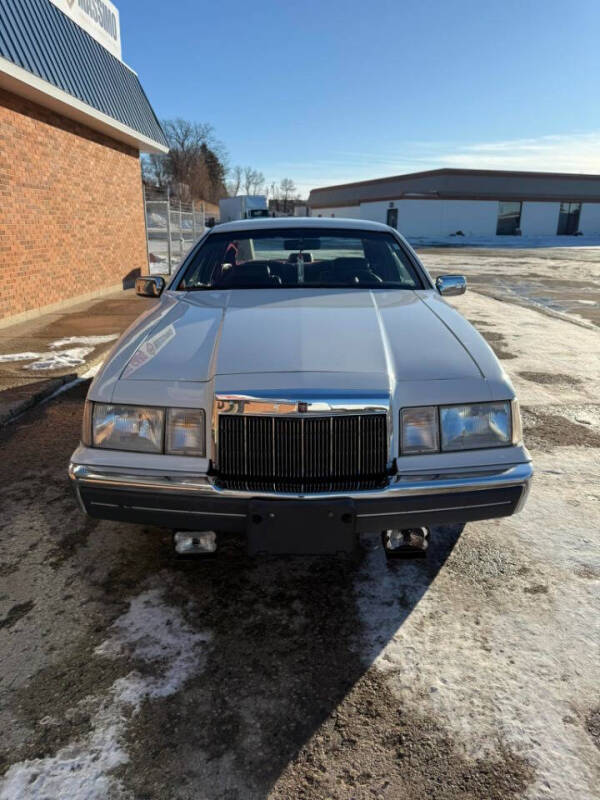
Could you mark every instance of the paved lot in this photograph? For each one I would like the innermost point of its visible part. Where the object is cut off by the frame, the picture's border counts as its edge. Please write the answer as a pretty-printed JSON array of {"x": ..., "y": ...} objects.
[
  {"x": 563, "y": 280},
  {"x": 64, "y": 342},
  {"x": 473, "y": 675}
]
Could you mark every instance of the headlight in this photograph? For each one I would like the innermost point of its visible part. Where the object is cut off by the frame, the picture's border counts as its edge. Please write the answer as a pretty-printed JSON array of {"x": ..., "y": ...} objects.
[
  {"x": 142, "y": 429},
  {"x": 429, "y": 429},
  {"x": 128, "y": 428},
  {"x": 476, "y": 426},
  {"x": 186, "y": 434},
  {"x": 420, "y": 430}
]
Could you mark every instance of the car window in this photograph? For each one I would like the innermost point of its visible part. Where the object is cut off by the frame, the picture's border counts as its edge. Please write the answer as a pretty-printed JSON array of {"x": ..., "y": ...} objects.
[{"x": 300, "y": 258}]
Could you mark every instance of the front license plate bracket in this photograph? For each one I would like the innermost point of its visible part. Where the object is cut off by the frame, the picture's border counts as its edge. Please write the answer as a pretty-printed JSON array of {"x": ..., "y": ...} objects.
[{"x": 301, "y": 527}]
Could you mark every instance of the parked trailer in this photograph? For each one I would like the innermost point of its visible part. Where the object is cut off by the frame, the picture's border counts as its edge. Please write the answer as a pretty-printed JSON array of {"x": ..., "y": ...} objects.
[{"x": 243, "y": 207}]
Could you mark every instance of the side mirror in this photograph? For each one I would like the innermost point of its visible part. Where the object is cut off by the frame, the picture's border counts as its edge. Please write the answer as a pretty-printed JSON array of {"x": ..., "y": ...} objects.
[
  {"x": 149, "y": 286},
  {"x": 449, "y": 285}
]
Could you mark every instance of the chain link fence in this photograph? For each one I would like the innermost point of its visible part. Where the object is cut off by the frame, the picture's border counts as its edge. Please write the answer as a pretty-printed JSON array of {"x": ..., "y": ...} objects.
[{"x": 172, "y": 228}]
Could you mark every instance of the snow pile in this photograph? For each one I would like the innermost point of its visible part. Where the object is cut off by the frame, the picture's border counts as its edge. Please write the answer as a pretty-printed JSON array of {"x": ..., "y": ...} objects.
[
  {"x": 149, "y": 631},
  {"x": 60, "y": 359}
]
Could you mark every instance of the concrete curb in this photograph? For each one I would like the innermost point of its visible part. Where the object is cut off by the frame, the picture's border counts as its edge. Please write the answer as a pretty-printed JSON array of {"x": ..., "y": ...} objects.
[{"x": 18, "y": 399}]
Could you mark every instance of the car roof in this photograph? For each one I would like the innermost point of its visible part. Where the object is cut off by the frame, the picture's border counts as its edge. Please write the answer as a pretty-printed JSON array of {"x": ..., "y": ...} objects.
[{"x": 275, "y": 223}]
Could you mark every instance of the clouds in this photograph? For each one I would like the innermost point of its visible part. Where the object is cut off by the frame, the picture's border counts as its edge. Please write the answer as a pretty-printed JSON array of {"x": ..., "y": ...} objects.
[
  {"x": 564, "y": 153},
  {"x": 576, "y": 152}
]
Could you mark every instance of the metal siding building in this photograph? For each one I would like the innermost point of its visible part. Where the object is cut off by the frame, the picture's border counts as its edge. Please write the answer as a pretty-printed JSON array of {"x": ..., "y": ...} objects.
[
  {"x": 38, "y": 38},
  {"x": 475, "y": 203},
  {"x": 73, "y": 121}
]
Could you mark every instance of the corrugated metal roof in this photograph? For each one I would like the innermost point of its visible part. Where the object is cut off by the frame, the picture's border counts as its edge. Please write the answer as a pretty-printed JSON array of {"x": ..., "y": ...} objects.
[
  {"x": 463, "y": 184},
  {"x": 37, "y": 36}
]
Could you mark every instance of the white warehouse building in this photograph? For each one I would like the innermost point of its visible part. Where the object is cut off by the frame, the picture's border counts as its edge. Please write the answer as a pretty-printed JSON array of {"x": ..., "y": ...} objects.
[{"x": 473, "y": 203}]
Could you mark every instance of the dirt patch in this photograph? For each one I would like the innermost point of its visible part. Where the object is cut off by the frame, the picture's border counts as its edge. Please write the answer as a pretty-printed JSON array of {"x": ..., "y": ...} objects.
[
  {"x": 7, "y": 569},
  {"x": 551, "y": 378},
  {"x": 483, "y": 562},
  {"x": 588, "y": 573},
  {"x": 536, "y": 589},
  {"x": 545, "y": 430},
  {"x": 370, "y": 747},
  {"x": 16, "y": 613},
  {"x": 71, "y": 540},
  {"x": 592, "y": 726},
  {"x": 497, "y": 342}
]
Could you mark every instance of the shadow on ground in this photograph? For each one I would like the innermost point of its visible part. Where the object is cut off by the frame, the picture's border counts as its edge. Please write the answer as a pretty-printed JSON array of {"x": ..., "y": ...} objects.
[{"x": 283, "y": 704}]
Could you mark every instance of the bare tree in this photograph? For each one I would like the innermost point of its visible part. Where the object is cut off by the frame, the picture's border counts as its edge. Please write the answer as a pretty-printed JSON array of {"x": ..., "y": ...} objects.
[
  {"x": 155, "y": 171},
  {"x": 274, "y": 190},
  {"x": 258, "y": 181},
  {"x": 195, "y": 165},
  {"x": 248, "y": 178},
  {"x": 253, "y": 181},
  {"x": 235, "y": 181},
  {"x": 288, "y": 191}
]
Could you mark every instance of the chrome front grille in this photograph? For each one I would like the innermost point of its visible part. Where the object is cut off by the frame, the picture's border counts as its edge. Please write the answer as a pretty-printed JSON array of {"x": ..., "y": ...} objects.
[{"x": 296, "y": 453}]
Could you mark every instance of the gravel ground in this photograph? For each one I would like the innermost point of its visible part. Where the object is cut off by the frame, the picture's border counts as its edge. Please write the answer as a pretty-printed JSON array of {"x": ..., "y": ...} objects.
[{"x": 472, "y": 674}]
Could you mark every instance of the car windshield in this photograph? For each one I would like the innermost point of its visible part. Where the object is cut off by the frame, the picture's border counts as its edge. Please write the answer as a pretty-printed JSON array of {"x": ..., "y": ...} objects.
[{"x": 298, "y": 258}]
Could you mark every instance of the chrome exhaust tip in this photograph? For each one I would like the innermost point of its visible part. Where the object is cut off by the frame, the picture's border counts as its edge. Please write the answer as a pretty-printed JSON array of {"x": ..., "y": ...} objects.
[
  {"x": 195, "y": 543},
  {"x": 405, "y": 543}
]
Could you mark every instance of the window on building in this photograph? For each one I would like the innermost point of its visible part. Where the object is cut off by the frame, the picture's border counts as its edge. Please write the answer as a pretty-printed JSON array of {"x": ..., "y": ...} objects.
[
  {"x": 509, "y": 219},
  {"x": 568, "y": 219},
  {"x": 392, "y": 217}
]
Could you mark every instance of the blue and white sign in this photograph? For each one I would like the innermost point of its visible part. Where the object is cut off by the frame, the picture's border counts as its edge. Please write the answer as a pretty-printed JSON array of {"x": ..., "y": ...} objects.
[{"x": 100, "y": 18}]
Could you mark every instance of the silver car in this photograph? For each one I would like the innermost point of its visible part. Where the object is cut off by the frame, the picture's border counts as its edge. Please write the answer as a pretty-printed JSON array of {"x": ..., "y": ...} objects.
[{"x": 301, "y": 381}]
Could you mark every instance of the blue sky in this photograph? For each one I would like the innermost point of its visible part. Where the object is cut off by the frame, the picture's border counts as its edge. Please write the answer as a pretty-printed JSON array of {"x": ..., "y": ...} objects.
[{"x": 328, "y": 91}]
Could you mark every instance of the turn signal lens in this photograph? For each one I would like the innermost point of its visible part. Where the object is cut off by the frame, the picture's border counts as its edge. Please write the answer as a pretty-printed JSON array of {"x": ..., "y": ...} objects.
[
  {"x": 420, "y": 433},
  {"x": 186, "y": 432},
  {"x": 517, "y": 425}
]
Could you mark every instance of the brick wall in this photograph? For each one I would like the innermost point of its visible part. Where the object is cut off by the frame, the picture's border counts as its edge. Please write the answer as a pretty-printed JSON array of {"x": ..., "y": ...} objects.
[{"x": 71, "y": 208}]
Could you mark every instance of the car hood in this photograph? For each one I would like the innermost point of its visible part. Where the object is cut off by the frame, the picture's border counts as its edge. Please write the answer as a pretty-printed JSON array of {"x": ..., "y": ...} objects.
[{"x": 200, "y": 335}]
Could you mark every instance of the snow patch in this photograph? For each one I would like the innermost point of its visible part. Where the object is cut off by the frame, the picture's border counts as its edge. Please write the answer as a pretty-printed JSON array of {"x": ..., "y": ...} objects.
[
  {"x": 9, "y": 357},
  {"x": 60, "y": 359},
  {"x": 84, "y": 340},
  {"x": 509, "y": 653},
  {"x": 152, "y": 632}
]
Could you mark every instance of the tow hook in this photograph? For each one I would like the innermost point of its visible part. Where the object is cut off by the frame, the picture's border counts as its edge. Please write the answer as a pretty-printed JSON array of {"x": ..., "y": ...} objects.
[
  {"x": 195, "y": 543},
  {"x": 405, "y": 543}
]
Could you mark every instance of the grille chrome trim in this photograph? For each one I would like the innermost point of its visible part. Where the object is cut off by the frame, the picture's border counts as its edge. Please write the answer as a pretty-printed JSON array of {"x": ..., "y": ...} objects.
[
  {"x": 302, "y": 404},
  {"x": 259, "y": 404}
]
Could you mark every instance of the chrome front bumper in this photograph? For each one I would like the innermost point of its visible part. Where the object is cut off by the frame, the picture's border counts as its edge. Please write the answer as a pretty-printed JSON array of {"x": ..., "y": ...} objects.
[{"x": 197, "y": 502}]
